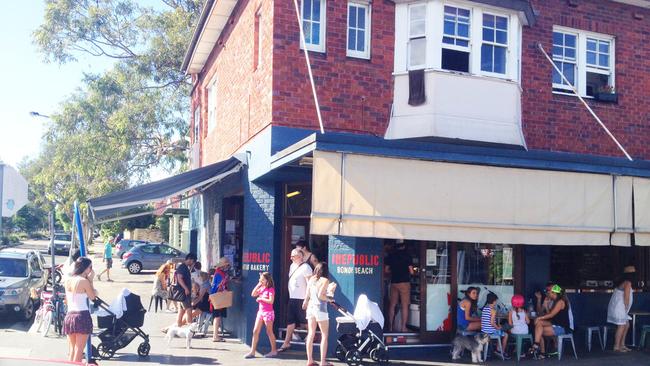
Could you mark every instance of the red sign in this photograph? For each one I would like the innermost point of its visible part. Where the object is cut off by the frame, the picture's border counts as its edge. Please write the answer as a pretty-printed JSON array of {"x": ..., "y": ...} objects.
[{"x": 256, "y": 261}]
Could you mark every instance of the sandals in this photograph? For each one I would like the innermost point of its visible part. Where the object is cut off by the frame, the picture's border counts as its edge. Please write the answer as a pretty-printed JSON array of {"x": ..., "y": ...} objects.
[
  {"x": 218, "y": 340},
  {"x": 282, "y": 349}
]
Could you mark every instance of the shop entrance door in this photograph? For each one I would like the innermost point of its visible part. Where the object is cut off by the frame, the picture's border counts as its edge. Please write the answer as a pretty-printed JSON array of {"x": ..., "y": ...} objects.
[
  {"x": 435, "y": 289},
  {"x": 295, "y": 229}
]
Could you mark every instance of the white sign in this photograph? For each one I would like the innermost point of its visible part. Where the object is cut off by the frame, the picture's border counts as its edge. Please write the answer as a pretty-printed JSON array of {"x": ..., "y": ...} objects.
[{"x": 14, "y": 191}]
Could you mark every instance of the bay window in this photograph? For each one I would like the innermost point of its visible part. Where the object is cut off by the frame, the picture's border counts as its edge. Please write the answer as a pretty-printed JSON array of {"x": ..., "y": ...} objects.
[
  {"x": 455, "y": 39},
  {"x": 494, "y": 47},
  {"x": 417, "y": 43},
  {"x": 586, "y": 60}
]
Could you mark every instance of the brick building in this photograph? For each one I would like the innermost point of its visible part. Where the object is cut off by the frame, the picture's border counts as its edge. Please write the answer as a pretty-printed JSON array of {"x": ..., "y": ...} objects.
[{"x": 446, "y": 129}]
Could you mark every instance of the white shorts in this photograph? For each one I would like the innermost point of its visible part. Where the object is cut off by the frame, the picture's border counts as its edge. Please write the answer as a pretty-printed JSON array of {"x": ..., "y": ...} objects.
[{"x": 316, "y": 313}]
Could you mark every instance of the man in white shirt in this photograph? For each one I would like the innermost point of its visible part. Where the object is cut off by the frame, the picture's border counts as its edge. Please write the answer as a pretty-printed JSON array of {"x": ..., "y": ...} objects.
[{"x": 299, "y": 272}]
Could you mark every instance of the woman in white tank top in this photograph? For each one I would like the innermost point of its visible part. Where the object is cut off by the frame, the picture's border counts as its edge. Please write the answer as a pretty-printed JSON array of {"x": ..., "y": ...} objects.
[{"x": 78, "y": 324}]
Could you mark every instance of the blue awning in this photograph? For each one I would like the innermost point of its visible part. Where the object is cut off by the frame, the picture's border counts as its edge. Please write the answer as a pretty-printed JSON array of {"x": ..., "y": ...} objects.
[{"x": 118, "y": 202}]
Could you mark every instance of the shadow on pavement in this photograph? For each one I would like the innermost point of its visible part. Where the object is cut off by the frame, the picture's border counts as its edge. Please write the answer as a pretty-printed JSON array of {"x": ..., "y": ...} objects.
[{"x": 169, "y": 359}]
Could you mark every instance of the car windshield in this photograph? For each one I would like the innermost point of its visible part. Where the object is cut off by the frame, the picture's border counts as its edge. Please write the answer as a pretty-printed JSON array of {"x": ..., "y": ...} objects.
[
  {"x": 11, "y": 267},
  {"x": 62, "y": 237}
]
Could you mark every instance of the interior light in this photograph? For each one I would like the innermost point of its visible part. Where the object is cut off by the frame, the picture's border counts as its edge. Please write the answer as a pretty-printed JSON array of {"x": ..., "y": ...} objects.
[{"x": 293, "y": 194}]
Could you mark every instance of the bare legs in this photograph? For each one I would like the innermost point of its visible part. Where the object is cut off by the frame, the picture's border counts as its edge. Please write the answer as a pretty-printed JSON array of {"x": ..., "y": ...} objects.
[
  {"x": 77, "y": 344},
  {"x": 256, "y": 337},
  {"x": 324, "y": 330},
  {"x": 187, "y": 313},
  {"x": 216, "y": 323},
  {"x": 619, "y": 338},
  {"x": 287, "y": 340},
  {"x": 399, "y": 292},
  {"x": 543, "y": 328}
]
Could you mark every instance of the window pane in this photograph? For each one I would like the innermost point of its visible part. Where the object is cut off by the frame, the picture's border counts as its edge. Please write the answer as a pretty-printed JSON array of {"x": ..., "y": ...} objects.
[
  {"x": 417, "y": 27},
  {"x": 464, "y": 13},
  {"x": 417, "y": 51},
  {"x": 361, "y": 40},
  {"x": 558, "y": 39},
  {"x": 449, "y": 27},
  {"x": 502, "y": 37},
  {"x": 488, "y": 34},
  {"x": 591, "y": 58},
  {"x": 315, "y": 35},
  {"x": 500, "y": 60},
  {"x": 596, "y": 83},
  {"x": 603, "y": 60},
  {"x": 570, "y": 40},
  {"x": 557, "y": 51},
  {"x": 352, "y": 16},
  {"x": 569, "y": 72},
  {"x": 502, "y": 23},
  {"x": 351, "y": 39},
  {"x": 306, "y": 9},
  {"x": 486, "y": 57},
  {"x": 455, "y": 60},
  {"x": 462, "y": 43},
  {"x": 306, "y": 28},
  {"x": 447, "y": 40},
  {"x": 488, "y": 20},
  {"x": 463, "y": 30},
  {"x": 361, "y": 13},
  {"x": 570, "y": 53},
  {"x": 316, "y": 8},
  {"x": 418, "y": 12},
  {"x": 557, "y": 79},
  {"x": 591, "y": 45},
  {"x": 604, "y": 47}
]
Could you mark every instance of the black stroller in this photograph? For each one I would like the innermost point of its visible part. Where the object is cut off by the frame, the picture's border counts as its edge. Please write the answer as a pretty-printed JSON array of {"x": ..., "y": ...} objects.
[
  {"x": 120, "y": 332},
  {"x": 353, "y": 344}
]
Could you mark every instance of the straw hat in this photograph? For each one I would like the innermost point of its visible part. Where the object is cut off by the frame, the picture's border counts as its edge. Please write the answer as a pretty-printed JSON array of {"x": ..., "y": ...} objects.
[{"x": 629, "y": 269}]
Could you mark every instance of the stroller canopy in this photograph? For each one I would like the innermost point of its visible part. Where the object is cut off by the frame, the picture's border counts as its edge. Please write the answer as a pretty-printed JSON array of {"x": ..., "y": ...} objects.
[{"x": 366, "y": 311}]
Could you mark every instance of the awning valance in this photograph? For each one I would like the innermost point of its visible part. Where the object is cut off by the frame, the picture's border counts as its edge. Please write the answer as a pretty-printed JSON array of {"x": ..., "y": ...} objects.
[
  {"x": 642, "y": 211},
  {"x": 116, "y": 202},
  {"x": 374, "y": 196}
]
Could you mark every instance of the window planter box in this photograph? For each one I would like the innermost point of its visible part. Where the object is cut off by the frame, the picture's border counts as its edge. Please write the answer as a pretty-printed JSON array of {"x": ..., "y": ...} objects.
[{"x": 606, "y": 97}]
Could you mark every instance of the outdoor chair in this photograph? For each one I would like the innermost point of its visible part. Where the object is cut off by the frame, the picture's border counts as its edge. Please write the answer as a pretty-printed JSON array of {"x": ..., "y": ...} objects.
[
  {"x": 589, "y": 335},
  {"x": 158, "y": 301},
  {"x": 606, "y": 329},
  {"x": 560, "y": 345},
  {"x": 644, "y": 331},
  {"x": 519, "y": 342},
  {"x": 499, "y": 346}
]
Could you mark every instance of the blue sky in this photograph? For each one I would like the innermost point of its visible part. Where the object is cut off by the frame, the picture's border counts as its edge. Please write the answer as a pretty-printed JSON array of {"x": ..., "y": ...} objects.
[{"x": 29, "y": 84}]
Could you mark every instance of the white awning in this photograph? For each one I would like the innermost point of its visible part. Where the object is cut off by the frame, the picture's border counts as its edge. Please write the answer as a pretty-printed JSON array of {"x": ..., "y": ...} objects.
[
  {"x": 373, "y": 196},
  {"x": 642, "y": 211}
]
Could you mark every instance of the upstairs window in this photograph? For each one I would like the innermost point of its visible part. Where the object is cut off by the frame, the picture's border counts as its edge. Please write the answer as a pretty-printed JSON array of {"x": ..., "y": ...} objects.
[
  {"x": 494, "y": 48},
  {"x": 417, "y": 43},
  {"x": 212, "y": 105},
  {"x": 358, "y": 30},
  {"x": 456, "y": 39},
  {"x": 313, "y": 24},
  {"x": 197, "y": 124},
  {"x": 586, "y": 60}
]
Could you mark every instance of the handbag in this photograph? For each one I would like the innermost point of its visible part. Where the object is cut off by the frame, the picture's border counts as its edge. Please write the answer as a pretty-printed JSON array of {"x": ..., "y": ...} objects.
[
  {"x": 176, "y": 292},
  {"x": 222, "y": 298}
]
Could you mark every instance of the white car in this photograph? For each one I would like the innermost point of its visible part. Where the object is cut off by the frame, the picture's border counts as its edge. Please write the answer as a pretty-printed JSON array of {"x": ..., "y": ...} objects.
[
  {"x": 62, "y": 243},
  {"x": 22, "y": 279}
]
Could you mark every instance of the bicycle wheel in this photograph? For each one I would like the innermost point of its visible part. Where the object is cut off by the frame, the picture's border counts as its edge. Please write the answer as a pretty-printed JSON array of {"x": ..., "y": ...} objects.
[
  {"x": 38, "y": 319},
  {"x": 60, "y": 317},
  {"x": 47, "y": 322}
]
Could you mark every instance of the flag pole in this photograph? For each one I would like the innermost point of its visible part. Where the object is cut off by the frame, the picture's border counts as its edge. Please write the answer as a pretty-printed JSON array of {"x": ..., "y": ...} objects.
[{"x": 84, "y": 253}]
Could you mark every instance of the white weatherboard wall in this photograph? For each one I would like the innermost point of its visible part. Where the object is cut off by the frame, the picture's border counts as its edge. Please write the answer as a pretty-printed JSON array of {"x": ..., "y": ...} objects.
[
  {"x": 14, "y": 191},
  {"x": 380, "y": 197},
  {"x": 458, "y": 106}
]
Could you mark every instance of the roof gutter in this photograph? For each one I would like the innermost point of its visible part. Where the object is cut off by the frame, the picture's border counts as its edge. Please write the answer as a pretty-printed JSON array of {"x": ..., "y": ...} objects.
[{"x": 205, "y": 14}]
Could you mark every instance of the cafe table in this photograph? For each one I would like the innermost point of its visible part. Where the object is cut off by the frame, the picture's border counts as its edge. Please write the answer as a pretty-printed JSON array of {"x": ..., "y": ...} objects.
[{"x": 634, "y": 315}]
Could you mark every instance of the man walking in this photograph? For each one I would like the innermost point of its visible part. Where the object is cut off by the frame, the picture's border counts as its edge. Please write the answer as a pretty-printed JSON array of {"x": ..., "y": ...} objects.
[
  {"x": 108, "y": 259},
  {"x": 184, "y": 279},
  {"x": 299, "y": 271}
]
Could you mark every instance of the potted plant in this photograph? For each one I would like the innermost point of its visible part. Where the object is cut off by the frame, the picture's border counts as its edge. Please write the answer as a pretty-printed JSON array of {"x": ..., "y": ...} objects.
[{"x": 606, "y": 94}]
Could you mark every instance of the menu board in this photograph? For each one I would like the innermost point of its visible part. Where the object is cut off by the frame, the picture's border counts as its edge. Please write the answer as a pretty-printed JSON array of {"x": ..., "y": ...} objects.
[{"x": 579, "y": 268}]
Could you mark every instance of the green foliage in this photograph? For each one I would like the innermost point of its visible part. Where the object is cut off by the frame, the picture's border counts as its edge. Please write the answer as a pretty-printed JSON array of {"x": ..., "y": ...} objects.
[
  {"x": 30, "y": 219},
  {"x": 162, "y": 223},
  {"x": 120, "y": 124}
]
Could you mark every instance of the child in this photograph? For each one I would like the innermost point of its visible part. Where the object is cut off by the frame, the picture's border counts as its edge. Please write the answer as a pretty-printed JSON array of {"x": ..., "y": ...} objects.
[
  {"x": 518, "y": 318},
  {"x": 489, "y": 324},
  {"x": 265, "y": 294}
]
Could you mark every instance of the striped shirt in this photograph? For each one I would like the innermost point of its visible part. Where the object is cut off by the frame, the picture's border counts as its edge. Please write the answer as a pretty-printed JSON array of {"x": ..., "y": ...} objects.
[{"x": 486, "y": 317}]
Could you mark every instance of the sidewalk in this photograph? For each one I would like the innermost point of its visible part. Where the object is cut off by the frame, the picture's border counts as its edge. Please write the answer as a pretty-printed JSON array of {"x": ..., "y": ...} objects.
[{"x": 15, "y": 341}]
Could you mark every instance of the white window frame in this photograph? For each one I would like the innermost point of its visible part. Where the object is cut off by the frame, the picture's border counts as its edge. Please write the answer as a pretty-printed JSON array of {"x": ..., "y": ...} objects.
[
  {"x": 411, "y": 37},
  {"x": 495, "y": 44},
  {"x": 320, "y": 47},
  {"x": 197, "y": 123},
  {"x": 563, "y": 59},
  {"x": 365, "y": 54},
  {"x": 456, "y": 37},
  {"x": 434, "y": 35},
  {"x": 212, "y": 104},
  {"x": 581, "y": 63}
]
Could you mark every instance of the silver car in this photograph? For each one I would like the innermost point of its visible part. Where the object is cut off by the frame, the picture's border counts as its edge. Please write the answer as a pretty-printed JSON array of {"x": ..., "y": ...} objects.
[
  {"x": 22, "y": 279},
  {"x": 150, "y": 257},
  {"x": 62, "y": 243}
]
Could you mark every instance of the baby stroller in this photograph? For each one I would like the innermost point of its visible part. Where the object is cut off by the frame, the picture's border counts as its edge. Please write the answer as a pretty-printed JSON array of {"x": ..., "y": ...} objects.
[
  {"x": 121, "y": 322},
  {"x": 360, "y": 334}
]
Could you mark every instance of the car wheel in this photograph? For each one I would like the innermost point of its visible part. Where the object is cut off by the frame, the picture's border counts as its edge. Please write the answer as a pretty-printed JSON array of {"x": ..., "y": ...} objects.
[
  {"x": 134, "y": 267},
  {"x": 27, "y": 313}
]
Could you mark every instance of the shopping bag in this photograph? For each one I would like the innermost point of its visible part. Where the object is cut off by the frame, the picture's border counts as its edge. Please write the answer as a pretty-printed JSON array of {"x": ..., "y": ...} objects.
[{"x": 221, "y": 299}]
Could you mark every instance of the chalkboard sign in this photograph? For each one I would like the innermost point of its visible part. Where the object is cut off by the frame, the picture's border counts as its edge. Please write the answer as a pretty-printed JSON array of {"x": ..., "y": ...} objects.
[{"x": 582, "y": 267}]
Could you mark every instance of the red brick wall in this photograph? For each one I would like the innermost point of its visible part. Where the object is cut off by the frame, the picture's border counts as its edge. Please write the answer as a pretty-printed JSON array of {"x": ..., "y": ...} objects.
[
  {"x": 355, "y": 95},
  {"x": 244, "y": 93},
  {"x": 561, "y": 123}
]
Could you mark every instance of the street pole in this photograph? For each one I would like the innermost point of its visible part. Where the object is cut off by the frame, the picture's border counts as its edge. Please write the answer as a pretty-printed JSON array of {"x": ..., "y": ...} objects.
[{"x": 52, "y": 249}]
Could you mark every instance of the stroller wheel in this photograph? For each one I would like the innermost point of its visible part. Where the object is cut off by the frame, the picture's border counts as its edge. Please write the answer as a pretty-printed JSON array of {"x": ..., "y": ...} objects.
[
  {"x": 379, "y": 354},
  {"x": 143, "y": 349},
  {"x": 354, "y": 358},
  {"x": 340, "y": 353},
  {"x": 105, "y": 352}
]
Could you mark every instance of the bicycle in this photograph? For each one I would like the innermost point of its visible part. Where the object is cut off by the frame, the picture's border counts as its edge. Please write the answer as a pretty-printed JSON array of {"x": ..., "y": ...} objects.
[{"x": 51, "y": 311}]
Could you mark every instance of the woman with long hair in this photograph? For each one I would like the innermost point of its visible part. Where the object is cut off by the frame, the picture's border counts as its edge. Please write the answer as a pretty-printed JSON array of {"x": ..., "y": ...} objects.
[
  {"x": 265, "y": 294},
  {"x": 556, "y": 322},
  {"x": 467, "y": 314},
  {"x": 619, "y": 307},
  {"x": 315, "y": 304},
  {"x": 219, "y": 283},
  {"x": 159, "y": 290},
  {"x": 77, "y": 324}
]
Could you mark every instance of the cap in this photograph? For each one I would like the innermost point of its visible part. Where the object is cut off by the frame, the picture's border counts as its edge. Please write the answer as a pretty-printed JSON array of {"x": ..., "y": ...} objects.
[{"x": 557, "y": 289}]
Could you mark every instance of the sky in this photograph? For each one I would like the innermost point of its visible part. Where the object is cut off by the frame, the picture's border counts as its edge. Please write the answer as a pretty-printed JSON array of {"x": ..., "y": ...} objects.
[{"x": 30, "y": 84}]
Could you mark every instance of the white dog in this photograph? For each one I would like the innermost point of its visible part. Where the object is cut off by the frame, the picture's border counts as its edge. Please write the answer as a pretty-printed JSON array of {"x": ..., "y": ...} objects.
[{"x": 186, "y": 331}]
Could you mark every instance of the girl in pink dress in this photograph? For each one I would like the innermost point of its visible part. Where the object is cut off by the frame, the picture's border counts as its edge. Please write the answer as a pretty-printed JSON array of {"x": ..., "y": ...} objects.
[{"x": 265, "y": 294}]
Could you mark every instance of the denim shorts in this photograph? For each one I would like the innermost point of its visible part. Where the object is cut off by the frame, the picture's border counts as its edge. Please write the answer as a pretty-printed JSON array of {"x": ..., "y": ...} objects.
[
  {"x": 558, "y": 330},
  {"x": 498, "y": 332}
]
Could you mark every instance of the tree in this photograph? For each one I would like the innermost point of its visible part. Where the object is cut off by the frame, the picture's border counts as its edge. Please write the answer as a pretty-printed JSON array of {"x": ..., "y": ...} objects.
[
  {"x": 119, "y": 124},
  {"x": 30, "y": 219}
]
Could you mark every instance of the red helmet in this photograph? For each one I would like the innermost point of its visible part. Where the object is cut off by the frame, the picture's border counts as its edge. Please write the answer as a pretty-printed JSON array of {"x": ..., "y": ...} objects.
[{"x": 517, "y": 301}]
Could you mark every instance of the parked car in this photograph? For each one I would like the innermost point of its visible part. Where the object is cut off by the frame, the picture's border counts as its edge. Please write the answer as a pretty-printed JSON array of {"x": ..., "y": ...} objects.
[
  {"x": 150, "y": 257},
  {"x": 125, "y": 245},
  {"x": 22, "y": 279},
  {"x": 62, "y": 243}
]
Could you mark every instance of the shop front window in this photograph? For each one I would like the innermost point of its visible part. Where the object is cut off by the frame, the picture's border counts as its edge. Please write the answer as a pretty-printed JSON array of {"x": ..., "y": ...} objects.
[
  {"x": 488, "y": 267},
  {"x": 438, "y": 281}
]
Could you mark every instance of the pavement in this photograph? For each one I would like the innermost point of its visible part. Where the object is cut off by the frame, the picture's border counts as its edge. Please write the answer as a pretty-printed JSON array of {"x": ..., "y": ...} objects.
[{"x": 19, "y": 346}]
